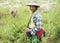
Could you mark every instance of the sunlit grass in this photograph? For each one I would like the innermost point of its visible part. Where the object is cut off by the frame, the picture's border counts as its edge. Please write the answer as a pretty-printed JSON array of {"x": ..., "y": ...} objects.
[{"x": 13, "y": 28}]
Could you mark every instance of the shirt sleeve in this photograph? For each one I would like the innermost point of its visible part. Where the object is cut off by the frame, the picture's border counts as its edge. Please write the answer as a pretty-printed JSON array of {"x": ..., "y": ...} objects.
[{"x": 38, "y": 24}]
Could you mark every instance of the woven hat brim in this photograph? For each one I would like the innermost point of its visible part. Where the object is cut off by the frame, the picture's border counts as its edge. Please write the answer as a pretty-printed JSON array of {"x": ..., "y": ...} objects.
[{"x": 33, "y": 4}]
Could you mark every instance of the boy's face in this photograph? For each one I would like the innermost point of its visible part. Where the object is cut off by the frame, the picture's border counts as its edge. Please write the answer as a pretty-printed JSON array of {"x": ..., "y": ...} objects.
[{"x": 32, "y": 8}]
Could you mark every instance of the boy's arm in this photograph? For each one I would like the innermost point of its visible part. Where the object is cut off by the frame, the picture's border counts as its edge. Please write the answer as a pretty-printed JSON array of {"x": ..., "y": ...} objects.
[{"x": 38, "y": 25}]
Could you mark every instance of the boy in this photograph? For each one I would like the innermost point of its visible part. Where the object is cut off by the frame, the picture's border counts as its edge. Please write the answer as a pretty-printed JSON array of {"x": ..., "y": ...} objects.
[{"x": 35, "y": 23}]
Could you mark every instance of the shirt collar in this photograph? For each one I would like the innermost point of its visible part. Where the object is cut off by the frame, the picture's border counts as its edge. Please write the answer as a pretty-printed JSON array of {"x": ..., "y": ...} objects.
[{"x": 35, "y": 12}]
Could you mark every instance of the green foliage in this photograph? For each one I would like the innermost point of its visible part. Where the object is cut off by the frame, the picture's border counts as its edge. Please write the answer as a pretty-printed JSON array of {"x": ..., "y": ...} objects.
[{"x": 12, "y": 29}]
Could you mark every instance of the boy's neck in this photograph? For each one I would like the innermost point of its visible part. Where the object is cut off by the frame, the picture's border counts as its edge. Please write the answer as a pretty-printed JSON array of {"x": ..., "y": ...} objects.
[{"x": 33, "y": 12}]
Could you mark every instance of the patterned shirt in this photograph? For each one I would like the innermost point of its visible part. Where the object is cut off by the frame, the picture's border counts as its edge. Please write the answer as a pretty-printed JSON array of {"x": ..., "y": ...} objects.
[{"x": 37, "y": 20}]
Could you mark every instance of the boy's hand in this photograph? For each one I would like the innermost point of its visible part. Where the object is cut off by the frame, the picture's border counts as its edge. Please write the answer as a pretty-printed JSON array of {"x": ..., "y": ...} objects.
[{"x": 27, "y": 29}]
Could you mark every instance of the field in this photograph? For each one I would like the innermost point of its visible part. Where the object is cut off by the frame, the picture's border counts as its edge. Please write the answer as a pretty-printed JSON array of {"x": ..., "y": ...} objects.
[{"x": 12, "y": 29}]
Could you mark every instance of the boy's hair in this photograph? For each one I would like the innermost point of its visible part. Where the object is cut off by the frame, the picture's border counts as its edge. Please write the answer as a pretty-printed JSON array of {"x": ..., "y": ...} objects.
[{"x": 36, "y": 7}]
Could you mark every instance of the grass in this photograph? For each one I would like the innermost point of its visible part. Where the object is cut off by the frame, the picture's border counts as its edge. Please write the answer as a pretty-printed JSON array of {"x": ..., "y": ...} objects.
[{"x": 13, "y": 29}]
